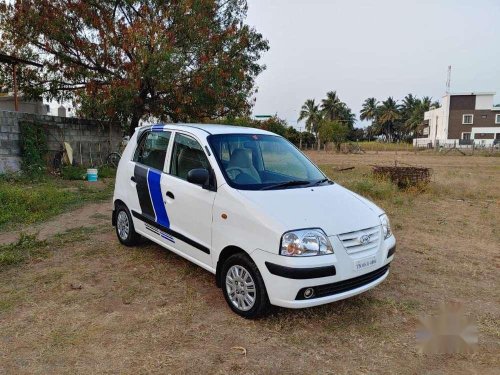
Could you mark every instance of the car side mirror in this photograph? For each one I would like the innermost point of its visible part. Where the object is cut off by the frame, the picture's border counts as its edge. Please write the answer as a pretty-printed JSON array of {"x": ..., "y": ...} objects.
[{"x": 198, "y": 176}]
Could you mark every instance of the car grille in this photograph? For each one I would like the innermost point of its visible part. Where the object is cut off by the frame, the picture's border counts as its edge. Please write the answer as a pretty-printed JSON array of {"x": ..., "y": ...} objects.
[
  {"x": 345, "y": 285},
  {"x": 352, "y": 240}
]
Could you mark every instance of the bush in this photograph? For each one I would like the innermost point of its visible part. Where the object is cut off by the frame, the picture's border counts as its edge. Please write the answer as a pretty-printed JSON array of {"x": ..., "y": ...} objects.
[
  {"x": 33, "y": 149},
  {"x": 106, "y": 171},
  {"x": 71, "y": 172}
]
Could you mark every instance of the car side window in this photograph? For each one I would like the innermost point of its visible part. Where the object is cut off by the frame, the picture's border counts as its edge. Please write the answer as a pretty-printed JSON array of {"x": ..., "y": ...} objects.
[
  {"x": 187, "y": 154},
  {"x": 152, "y": 149}
]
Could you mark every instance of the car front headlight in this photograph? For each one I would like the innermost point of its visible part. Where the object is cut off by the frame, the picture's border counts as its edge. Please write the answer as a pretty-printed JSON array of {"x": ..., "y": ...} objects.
[
  {"x": 305, "y": 242},
  {"x": 386, "y": 226}
]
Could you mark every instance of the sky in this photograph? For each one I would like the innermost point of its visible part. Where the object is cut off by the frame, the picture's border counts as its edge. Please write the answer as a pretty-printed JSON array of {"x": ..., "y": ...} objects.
[{"x": 382, "y": 48}]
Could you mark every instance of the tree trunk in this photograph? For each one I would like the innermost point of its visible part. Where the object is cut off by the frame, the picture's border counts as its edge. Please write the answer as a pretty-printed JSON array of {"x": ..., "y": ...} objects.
[
  {"x": 319, "y": 143},
  {"x": 134, "y": 123},
  {"x": 138, "y": 111}
]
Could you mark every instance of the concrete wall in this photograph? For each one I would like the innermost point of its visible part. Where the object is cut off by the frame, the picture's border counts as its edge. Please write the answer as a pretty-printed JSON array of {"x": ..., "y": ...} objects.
[
  {"x": 91, "y": 141},
  {"x": 7, "y": 104},
  {"x": 485, "y": 136},
  {"x": 484, "y": 101},
  {"x": 437, "y": 125}
]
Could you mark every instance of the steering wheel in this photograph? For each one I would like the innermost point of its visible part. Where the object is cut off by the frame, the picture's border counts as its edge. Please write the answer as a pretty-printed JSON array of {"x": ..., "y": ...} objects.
[{"x": 232, "y": 170}]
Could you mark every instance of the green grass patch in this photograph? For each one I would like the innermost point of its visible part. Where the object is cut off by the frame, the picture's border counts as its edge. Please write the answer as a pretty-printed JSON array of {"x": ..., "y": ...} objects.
[
  {"x": 382, "y": 146},
  {"x": 28, "y": 246},
  {"x": 364, "y": 183},
  {"x": 73, "y": 235},
  {"x": 28, "y": 202},
  {"x": 71, "y": 172}
]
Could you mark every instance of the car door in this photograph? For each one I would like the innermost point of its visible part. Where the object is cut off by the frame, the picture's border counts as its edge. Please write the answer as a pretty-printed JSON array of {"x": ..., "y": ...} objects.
[
  {"x": 189, "y": 206},
  {"x": 148, "y": 210}
]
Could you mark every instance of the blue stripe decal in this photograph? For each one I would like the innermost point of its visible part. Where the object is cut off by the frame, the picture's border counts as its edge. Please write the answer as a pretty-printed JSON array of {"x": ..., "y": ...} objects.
[
  {"x": 154, "y": 178},
  {"x": 157, "y": 128},
  {"x": 167, "y": 238}
]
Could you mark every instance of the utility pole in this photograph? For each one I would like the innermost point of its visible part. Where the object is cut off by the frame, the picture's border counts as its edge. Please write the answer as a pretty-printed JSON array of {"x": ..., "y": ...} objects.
[
  {"x": 300, "y": 138},
  {"x": 14, "y": 62},
  {"x": 14, "y": 78},
  {"x": 448, "y": 80}
]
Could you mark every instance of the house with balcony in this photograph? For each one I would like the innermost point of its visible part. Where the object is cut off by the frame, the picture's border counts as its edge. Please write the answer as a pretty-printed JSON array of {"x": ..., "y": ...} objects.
[{"x": 464, "y": 119}]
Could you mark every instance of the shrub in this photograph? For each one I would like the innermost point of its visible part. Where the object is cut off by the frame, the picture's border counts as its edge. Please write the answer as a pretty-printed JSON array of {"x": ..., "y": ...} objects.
[
  {"x": 33, "y": 149},
  {"x": 71, "y": 172},
  {"x": 106, "y": 171}
]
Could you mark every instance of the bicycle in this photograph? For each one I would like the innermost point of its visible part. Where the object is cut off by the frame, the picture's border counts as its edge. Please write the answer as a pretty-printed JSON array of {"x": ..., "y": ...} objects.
[{"x": 114, "y": 157}]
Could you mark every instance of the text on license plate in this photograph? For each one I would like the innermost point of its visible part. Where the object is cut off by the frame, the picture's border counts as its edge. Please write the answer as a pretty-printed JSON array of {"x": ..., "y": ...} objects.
[{"x": 361, "y": 264}]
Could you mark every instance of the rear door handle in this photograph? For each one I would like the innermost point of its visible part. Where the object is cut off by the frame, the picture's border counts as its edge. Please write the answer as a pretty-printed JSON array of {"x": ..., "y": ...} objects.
[
  {"x": 170, "y": 195},
  {"x": 132, "y": 179}
]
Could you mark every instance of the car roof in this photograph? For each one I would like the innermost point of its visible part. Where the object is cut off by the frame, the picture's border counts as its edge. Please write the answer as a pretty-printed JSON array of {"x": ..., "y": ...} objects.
[{"x": 206, "y": 129}]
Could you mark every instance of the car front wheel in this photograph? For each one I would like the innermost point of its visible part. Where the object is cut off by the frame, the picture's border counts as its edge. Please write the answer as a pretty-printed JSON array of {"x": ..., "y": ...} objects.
[{"x": 243, "y": 287}]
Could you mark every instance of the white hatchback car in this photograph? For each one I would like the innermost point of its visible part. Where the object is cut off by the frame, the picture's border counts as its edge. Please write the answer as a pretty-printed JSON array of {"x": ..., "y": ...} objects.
[{"x": 248, "y": 206}]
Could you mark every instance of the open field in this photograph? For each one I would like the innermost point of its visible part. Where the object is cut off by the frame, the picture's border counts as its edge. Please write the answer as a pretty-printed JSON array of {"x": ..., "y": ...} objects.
[{"x": 82, "y": 303}]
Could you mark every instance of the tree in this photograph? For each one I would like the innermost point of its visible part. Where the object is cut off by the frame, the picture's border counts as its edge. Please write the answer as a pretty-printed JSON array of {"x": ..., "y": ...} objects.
[
  {"x": 275, "y": 125},
  {"x": 416, "y": 117},
  {"x": 335, "y": 109},
  {"x": 347, "y": 116},
  {"x": 177, "y": 60},
  {"x": 333, "y": 131},
  {"x": 408, "y": 105},
  {"x": 331, "y": 107},
  {"x": 311, "y": 113},
  {"x": 388, "y": 114},
  {"x": 369, "y": 110}
]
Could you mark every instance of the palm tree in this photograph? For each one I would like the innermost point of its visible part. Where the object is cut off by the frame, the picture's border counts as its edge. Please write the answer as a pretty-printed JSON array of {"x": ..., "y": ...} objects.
[
  {"x": 311, "y": 113},
  {"x": 331, "y": 106},
  {"x": 346, "y": 116},
  {"x": 388, "y": 114},
  {"x": 369, "y": 110},
  {"x": 408, "y": 105},
  {"x": 416, "y": 117}
]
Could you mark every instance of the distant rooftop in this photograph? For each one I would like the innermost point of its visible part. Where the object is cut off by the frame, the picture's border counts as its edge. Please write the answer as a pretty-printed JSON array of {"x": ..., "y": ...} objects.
[{"x": 480, "y": 93}]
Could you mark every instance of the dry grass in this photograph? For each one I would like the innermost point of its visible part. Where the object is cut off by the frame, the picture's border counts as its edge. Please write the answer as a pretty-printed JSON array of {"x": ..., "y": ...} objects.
[{"x": 145, "y": 310}]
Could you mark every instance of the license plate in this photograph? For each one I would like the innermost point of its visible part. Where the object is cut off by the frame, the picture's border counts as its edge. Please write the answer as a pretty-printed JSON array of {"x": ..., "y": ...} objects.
[{"x": 361, "y": 264}]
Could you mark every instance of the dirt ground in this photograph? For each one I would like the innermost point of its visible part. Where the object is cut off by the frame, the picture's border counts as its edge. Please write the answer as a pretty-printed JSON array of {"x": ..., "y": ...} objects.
[{"x": 94, "y": 306}]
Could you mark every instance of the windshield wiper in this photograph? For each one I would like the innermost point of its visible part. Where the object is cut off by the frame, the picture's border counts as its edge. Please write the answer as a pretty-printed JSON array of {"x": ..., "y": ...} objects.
[
  {"x": 319, "y": 182},
  {"x": 286, "y": 184}
]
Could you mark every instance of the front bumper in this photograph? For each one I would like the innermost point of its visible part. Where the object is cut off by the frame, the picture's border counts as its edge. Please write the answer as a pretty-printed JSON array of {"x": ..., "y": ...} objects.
[{"x": 331, "y": 276}]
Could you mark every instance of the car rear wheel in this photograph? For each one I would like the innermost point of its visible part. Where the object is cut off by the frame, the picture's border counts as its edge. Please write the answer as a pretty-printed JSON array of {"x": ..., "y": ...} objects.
[
  {"x": 125, "y": 230},
  {"x": 243, "y": 287}
]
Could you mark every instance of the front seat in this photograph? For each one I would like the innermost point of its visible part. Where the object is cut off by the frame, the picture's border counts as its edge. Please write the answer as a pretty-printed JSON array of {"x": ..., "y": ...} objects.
[
  {"x": 189, "y": 158},
  {"x": 241, "y": 158}
]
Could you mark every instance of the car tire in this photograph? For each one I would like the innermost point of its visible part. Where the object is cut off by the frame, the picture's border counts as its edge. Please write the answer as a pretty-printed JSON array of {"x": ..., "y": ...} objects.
[
  {"x": 243, "y": 287},
  {"x": 125, "y": 230}
]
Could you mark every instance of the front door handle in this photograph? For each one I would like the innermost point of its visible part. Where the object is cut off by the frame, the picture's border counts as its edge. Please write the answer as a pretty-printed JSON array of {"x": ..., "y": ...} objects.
[{"x": 170, "y": 195}]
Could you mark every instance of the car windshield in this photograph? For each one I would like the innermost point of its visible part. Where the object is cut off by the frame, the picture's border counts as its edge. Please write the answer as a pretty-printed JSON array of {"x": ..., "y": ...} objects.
[{"x": 263, "y": 162}]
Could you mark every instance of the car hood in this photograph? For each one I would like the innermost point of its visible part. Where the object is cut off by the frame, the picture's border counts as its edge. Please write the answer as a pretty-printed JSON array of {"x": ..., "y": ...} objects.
[{"x": 332, "y": 208}]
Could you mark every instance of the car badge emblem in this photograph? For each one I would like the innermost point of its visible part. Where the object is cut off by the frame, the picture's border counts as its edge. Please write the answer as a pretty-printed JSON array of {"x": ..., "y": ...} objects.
[{"x": 364, "y": 239}]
